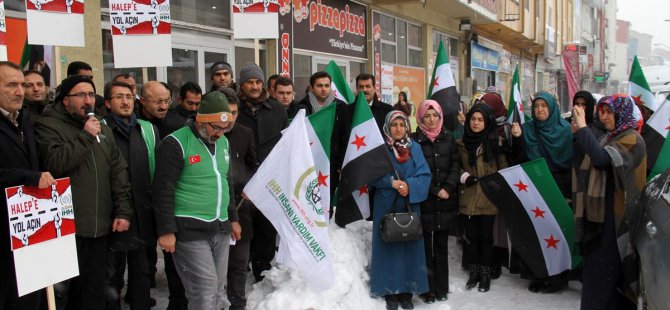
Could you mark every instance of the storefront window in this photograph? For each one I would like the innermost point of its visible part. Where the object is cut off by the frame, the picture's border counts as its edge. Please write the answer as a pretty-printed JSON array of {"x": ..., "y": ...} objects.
[
  {"x": 402, "y": 44},
  {"x": 302, "y": 70},
  {"x": 213, "y": 13},
  {"x": 184, "y": 69},
  {"x": 245, "y": 55},
  {"x": 108, "y": 64}
]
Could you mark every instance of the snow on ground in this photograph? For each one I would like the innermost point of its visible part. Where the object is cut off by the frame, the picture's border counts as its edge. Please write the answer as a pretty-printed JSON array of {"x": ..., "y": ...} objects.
[{"x": 285, "y": 288}]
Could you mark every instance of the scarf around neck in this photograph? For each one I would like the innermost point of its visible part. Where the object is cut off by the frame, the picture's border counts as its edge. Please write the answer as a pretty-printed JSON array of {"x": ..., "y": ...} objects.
[
  {"x": 551, "y": 138},
  {"x": 487, "y": 139},
  {"x": 315, "y": 103},
  {"x": 400, "y": 147},
  {"x": 431, "y": 134}
]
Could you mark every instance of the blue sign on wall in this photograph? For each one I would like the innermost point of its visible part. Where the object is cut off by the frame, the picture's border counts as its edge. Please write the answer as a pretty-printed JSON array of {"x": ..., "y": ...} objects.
[{"x": 484, "y": 58}]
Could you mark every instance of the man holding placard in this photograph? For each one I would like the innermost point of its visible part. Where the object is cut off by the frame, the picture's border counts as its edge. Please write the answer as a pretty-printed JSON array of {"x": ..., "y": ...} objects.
[
  {"x": 73, "y": 143},
  {"x": 18, "y": 166}
]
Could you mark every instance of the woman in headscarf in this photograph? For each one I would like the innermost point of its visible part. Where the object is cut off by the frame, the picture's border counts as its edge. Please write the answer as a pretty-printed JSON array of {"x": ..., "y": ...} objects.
[
  {"x": 440, "y": 210},
  {"x": 617, "y": 174},
  {"x": 480, "y": 154},
  {"x": 398, "y": 269},
  {"x": 547, "y": 135},
  {"x": 494, "y": 100}
]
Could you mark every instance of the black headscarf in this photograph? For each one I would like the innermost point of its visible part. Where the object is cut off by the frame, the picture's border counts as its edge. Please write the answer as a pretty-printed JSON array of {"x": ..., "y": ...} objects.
[
  {"x": 487, "y": 138},
  {"x": 590, "y": 104}
]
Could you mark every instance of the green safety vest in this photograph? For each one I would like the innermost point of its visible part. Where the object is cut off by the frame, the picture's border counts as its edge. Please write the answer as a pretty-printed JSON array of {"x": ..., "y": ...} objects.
[
  {"x": 202, "y": 190},
  {"x": 149, "y": 137}
]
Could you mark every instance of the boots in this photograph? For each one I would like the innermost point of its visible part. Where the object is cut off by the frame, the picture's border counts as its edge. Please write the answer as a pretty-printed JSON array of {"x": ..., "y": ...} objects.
[
  {"x": 475, "y": 276},
  {"x": 485, "y": 279}
]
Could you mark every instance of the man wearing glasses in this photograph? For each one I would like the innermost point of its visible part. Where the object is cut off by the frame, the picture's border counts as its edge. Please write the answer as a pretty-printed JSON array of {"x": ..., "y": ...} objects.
[
  {"x": 73, "y": 144},
  {"x": 137, "y": 141},
  {"x": 154, "y": 106},
  {"x": 194, "y": 201}
]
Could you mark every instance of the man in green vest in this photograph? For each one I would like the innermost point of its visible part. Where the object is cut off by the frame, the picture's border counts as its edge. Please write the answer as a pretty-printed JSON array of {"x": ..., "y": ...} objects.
[
  {"x": 136, "y": 140},
  {"x": 194, "y": 204}
]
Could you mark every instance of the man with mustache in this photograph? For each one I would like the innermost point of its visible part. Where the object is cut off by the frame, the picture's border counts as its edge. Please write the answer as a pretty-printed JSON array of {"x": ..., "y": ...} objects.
[
  {"x": 154, "y": 106},
  {"x": 72, "y": 144}
]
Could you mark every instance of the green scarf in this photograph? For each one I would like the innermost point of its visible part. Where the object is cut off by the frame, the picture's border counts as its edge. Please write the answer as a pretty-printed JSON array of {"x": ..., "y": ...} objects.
[{"x": 551, "y": 138}]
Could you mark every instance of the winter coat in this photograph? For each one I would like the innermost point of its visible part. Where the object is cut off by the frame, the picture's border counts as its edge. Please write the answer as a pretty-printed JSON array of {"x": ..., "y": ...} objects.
[
  {"x": 399, "y": 267},
  {"x": 445, "y": 166},
  {"x": 18, "y": 166},
  {"x": 134, "y": 151},
  {"x": 167, "y": 125},
  {"x": 472, "y": 200},
  {"x": 379, "y": 110},
  {"x": 266, "y": 123},
  {"x": 243, "y": 163},
  {"x": 97, "y": 171}
]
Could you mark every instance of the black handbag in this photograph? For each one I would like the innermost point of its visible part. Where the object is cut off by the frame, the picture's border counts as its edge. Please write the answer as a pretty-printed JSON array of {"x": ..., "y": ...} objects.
[{"x": 401, "y": 226}]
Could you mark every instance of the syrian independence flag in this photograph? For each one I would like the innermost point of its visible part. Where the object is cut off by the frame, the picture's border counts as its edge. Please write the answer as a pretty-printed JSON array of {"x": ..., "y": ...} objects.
[
  {"x": 539, "y": 220},
  {"x": 515, "y": 107},
  {"x": 319, "y": 130},
  {"x": 365, "y": 160},
  {"x": 657, "y": 140},
  {"x": 285, "y": 188},
  {"x": 443, "y": 89},
  {"x": 339, "y": 84},
  {"x": 638, "y": 88}
]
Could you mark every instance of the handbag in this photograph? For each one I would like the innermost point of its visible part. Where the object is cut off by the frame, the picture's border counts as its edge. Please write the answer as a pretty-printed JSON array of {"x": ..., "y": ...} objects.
[{"x": 401, "y": 226}]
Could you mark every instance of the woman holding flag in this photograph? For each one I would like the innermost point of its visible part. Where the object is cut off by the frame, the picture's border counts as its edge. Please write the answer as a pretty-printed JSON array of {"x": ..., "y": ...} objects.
[
  {"x": 480, "y": 154},
  {"x": 617, "y": 174},
  {"x": 398, "y": 269},
  {"x": 439, "y": 211},
  {"x": 547, "y": 135}
]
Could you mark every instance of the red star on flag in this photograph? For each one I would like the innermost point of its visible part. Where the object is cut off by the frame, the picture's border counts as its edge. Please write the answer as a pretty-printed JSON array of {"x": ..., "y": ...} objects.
[
  {"x": 363, "y": 190},
  {"x": 335, "y": 93},
  {"x": 668, "y": 128},
  {"x": 638, "y": 100},
  {"x": 551, "y": 242},
  {"x": 521, "y": 186},
  {"x": 311, "y": 142},
  {"x": 359, "y": 142},
  {"x": 322, "y": 179},
  {"x": 538, "y": 212},
  {"x": 435, "y": 82},
  {"x": 520, "y": 105}
]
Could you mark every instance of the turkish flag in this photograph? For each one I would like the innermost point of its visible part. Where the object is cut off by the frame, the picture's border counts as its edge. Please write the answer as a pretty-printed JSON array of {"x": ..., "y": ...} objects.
[{"x": 194, "y": 159}]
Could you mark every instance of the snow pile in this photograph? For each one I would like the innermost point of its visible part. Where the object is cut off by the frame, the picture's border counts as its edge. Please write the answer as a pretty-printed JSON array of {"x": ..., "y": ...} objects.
[{"x": 284, "y": 288}]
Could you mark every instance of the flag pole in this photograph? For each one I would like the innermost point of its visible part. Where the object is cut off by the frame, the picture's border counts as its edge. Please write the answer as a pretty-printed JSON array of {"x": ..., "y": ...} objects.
[{"x": 51, "y": 297}]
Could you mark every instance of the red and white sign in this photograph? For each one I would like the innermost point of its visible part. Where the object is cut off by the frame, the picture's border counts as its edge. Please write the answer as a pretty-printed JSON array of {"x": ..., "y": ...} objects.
[
  {"x": 256, "y": 19},
  {"x": 140, "y": 17},
  {"x": 42, "y": 232},
  {"x": 39, "y": 214},
  {"x": 141, "y": 25},
  {"x": 56, "y": 6},
  {"x": 55, "y": 22},
  {"x": 3, "y": 32}
]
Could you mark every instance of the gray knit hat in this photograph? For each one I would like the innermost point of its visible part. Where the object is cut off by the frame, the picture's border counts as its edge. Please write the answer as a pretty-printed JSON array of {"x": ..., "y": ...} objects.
[
  {"x": 218, "y": 66},
  {"x": 251, "y": 71}
]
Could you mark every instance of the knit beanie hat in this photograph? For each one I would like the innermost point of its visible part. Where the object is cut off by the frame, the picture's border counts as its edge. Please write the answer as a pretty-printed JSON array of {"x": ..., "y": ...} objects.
[
  {"x": 213, "y": 108},
  {"x": 218, "y": 66},
  {"x": 69, "y": 83},
  {"x": 251, "y": 71}
]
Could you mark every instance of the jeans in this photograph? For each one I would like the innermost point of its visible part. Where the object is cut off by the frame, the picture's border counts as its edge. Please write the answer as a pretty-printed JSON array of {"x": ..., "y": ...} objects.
[{"x": 202, "y": 266}]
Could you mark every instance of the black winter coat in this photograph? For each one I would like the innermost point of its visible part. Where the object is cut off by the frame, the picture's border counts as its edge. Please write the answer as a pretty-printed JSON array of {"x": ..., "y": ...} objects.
[
  {"x": 445, "y": 166},
  {"x": 243, "y": 165},
  {"x": 134, "y": 150},
  {"x": 379, "y": 110},
  {"x": 266, "y": 123},
  {"x": 18, "y": 166}
]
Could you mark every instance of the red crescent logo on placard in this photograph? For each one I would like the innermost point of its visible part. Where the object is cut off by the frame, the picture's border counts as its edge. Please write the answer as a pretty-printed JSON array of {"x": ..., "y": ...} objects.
[{"x": 194, "y": 159}]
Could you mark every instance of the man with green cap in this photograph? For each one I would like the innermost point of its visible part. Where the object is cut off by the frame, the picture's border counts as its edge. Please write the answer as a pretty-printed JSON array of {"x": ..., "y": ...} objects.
[{"x": 194, "y": 202}]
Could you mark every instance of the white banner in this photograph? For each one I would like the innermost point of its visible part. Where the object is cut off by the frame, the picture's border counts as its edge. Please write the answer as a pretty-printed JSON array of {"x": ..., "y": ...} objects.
[
  {"x": 55, "y": 22},
  {"x": 289, "y": 198},
  {"x": 141, "y": 25},
  {"x": 255, "y": 19}
]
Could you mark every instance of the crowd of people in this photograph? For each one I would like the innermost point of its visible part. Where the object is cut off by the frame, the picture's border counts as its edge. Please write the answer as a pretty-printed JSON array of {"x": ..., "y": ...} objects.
[{"x": 148, "y": 170}]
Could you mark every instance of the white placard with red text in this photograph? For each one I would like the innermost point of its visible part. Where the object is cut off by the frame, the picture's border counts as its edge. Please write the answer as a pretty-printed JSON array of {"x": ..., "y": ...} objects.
[
  {"x": 42, "y": 232},
  {"x": 55, "y": 22},
  {"x": 255, "y": 19},
  {"x": 3, "y": 32},
  {"x": 141, "y": 32}
]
